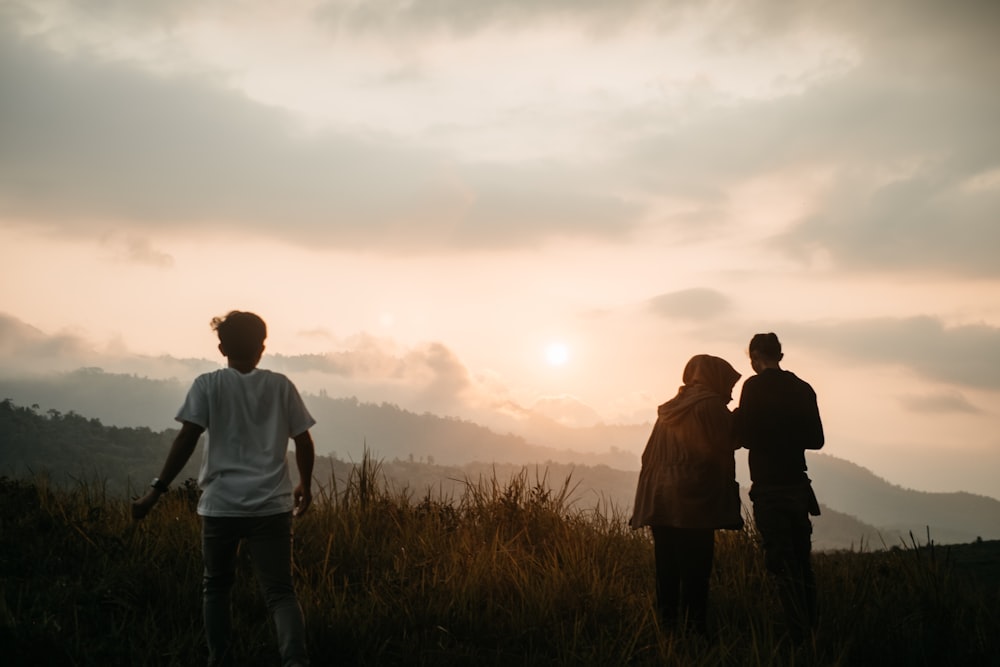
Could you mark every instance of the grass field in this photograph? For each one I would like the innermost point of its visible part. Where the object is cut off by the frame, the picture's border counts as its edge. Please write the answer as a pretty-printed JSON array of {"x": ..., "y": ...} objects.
[{"x": 502, "y": 575}]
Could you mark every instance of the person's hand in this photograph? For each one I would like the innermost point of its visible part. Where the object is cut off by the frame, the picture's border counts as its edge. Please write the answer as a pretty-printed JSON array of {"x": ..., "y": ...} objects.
[
  {"x": 303, "y": 498},
  {"x": 141, "y": 506}
]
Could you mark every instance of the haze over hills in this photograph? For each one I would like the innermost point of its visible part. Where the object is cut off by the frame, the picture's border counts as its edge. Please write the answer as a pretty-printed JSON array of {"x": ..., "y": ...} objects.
[
  {"x": 345, "y": 426},
  {"x": 426, "y": 450}
]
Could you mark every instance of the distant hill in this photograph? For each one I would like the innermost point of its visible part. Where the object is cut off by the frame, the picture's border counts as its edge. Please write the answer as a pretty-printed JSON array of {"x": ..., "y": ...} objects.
[
  {"x": 122, "y": 400},
  {"x": 68, "y": 447},
  {"x": 859, "y": 506},
  {"x": 346, "y": 426},
  {"x": 606, "y": 488},
  {"x": 950, "y": 517}
]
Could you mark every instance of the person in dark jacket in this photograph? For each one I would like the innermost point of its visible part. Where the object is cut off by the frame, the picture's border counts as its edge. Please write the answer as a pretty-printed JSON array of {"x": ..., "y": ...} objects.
[
  {"x": 777, "y": 420},
  {"x": 687, "y": 489}
]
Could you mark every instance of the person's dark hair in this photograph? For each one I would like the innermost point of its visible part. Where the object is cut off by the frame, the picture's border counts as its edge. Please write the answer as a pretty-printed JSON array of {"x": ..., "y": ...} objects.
[
  {"x": 766, "y": 345},
  {"x": 241, "y": 334}
]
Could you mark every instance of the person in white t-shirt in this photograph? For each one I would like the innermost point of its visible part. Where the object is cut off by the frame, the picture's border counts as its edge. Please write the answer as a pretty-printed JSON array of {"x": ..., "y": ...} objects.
[{"x": 247, "y": 493}]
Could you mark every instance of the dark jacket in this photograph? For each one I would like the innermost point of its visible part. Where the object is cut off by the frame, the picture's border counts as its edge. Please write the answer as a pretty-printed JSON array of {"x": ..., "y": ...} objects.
[
  {"x": 777, "y": 420},
  {"x": 688, "y": 476}
]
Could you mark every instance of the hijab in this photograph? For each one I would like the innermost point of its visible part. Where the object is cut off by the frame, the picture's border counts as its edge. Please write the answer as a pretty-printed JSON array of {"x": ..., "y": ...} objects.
[{"x": 705, "y": 377}]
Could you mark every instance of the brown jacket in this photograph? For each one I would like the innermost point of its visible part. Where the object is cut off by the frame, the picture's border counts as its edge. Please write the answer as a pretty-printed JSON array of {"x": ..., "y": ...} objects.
[{"x": 688, "y": 476}]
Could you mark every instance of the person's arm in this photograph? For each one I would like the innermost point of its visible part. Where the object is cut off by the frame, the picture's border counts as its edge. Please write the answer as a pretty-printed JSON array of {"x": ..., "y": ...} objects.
[
  {"x": 305, "y": 455},
  {"x": 815, "y": 438},
  {"x": 742, "y": 415},
  {"x": 180, "y": 451},
  {"x": 716, "y": 422}
]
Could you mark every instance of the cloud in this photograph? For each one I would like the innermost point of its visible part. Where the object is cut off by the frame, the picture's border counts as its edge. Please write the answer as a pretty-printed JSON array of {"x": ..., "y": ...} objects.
[
  {"x": 362, "y": 356},
  {"x": 907, "y": 168},
  {"x": 110, "y": 12},
  {"x": 567, "y": 410},
  {"x": 897, "y": 121},
  {"x": 967, "y": 355},
  {"x": 461, "y": 17},
  {"x": 698, "y": 303},
  {"x": 940, "y": 403},
  {"x": 28, "y": 351},
  {"x": 449, "y": 379},
  {"x": 927, "y": 222},
  {"x": 899, "y": 113},
  {"x": 139, "y": 250},
  {"x": 91, "y": 144},
  {"x": 899, "y": 24},
  {"x": 896, "y": 111},
  {"x": 25, "y": 349},
  {"x": 426, "y": 377}
]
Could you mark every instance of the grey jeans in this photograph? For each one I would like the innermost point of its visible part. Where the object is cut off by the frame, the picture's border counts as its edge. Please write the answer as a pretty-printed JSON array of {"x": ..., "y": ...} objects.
[{"x": 269, "y": 539}]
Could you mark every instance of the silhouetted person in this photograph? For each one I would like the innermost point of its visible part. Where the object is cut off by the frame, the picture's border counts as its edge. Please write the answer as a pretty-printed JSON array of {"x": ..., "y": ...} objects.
[
  {"x": 777, "y": 420},
  {"x": 687, "y": 488},
  {"x": 247, "y": 494}
]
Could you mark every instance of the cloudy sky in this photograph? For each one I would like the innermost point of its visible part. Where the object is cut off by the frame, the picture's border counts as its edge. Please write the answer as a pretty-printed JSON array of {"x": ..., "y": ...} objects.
[{"x": 484, "y": 209}]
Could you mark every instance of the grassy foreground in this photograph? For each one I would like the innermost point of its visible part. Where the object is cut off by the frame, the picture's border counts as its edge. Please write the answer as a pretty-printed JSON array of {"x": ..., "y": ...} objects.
[{"x": 506, "y": 574}]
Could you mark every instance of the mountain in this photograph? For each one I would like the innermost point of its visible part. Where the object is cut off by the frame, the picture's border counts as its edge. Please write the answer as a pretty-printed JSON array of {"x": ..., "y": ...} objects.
[
  {"x": 606, "y": 489},
  {"x": 69, "y": 448},
  {"x": 950, "y": 517},
  {"x": 345, "y": 425},
  {"x": 858, "y": 505},
  {"x": 122, "y": 400}
]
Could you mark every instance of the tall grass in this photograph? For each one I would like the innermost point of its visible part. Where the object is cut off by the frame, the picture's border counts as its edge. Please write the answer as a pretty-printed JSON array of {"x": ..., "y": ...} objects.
[{"x": 504, "y": 574}]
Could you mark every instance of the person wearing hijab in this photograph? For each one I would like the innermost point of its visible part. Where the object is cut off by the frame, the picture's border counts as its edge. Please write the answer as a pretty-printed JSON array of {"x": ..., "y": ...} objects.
[{"x": 687, "y": 489}]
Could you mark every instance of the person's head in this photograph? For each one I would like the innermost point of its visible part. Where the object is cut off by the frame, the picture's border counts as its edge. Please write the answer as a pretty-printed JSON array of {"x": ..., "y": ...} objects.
[
  {"x": 714, "y": 373},
  {"x": 765, "y": 351},
  {"x": 241, "y": 336}
]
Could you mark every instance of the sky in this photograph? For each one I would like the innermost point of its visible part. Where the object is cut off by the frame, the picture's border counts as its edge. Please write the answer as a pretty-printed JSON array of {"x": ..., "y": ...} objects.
[{"x": 502, "y": 208}]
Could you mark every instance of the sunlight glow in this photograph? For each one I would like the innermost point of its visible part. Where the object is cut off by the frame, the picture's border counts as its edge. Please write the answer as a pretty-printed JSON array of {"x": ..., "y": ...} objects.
[{"x": 556, "y": 354}]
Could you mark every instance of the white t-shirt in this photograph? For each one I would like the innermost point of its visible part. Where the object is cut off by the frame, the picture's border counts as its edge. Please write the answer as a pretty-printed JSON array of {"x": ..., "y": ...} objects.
[{"x": 249, "y": 418}]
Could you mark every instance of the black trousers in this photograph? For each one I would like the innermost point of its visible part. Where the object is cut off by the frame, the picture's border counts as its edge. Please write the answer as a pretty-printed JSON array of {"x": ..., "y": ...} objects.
[
  {"x": 782, "y": 518},
  {"x": 683, "y": 567}
]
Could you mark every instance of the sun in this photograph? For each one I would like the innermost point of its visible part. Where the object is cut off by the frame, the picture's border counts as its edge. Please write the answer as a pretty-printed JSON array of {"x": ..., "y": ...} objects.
[{"x": 556, "y": 354}]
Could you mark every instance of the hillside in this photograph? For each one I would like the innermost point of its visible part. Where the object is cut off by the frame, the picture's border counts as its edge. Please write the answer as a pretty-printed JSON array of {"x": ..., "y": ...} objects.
[
  {"x": 859, "y": 507},
  {"x": 69, "y": 448},
  {"x": 588, "y": 488},
  {"x": 950, "y": 517},
  {"x": 114, "y": 398},
  {"x": 506, "y": 574},
  {"x": 346, "y": 426}
]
